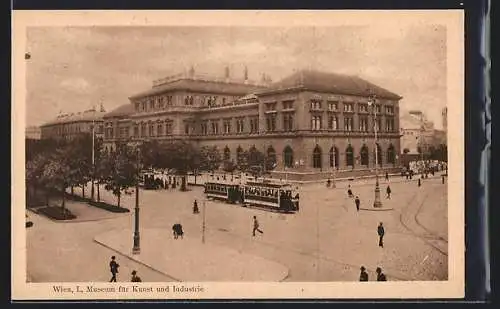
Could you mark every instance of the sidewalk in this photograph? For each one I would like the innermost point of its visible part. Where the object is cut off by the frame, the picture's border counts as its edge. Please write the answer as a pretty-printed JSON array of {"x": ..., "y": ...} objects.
[{"x": 190, "y": 260}]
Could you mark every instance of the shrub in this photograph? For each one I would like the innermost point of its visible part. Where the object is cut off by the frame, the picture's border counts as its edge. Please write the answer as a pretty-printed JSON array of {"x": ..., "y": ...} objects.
[
  {"x": 108, "y": 207},
  {"x": 57, "y": 213}
]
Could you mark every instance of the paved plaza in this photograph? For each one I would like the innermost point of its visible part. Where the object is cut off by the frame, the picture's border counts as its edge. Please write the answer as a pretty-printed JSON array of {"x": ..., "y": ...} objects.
[{"x": 327, "y": 240}]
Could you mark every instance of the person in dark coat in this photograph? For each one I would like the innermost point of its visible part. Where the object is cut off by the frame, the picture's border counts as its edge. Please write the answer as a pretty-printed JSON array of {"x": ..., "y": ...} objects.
[
  {"x": 349, "y": 191},
  {"x": 419, "y": 182},
  {"x": 195, "y": 207},
  {"x": 113, "y": 266},
  {"x": 177, "y": 229},
  {"x": 357, "y": 202},
  {"x": 442, "y": 179},
  {"x": 135, "y": 278},
  {"x": 256, "y": 226},
  {"x": 380, "y": 275},
  {"x": 388, "y": 191},
  {"x": 363, "y": 276},
  {"x": 381, "y": 233}
]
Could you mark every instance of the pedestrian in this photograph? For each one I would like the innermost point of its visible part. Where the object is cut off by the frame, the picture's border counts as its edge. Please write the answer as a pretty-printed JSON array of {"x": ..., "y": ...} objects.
[
  {"x": 349, "y": 191},
  {"x": 386, "y": 176},
  {"x": 388, "y": 191},
  {"x": 442, "y": 179},
  {"x": 195, "y": 207},
  {"x": 381, "y": 233},
  {"x": 177, "y": 229},
  {"x": 113, "y": 265},
  {"x": 363, "y": 276},
  {"x": 256, "y": 226},
  {"x": 380, "y": 275},
  {"x": 419, "y": 183},
  {"x": 328, "y": 183},
  {"x": 135, "y": 278},
  {"x": 357, "y": 202}
]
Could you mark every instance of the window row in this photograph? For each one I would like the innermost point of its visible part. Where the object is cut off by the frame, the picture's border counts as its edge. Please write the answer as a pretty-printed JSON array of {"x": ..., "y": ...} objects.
[
  {"x": 333, "y": 124},
  {"x": 362, "y": 159},
  {"x": 317, "y": 105}
]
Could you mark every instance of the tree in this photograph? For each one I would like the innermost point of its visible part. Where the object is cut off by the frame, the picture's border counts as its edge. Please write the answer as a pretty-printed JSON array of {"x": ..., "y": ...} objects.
[
  {"x": 121, "y": 172},
  {"x": 210, "y": 158},
  {"x": 56, "y": 174},
  {"x": 34, "y": 171},
  {"x": 183, "y": 157},
  {"x": 229, "y": 166}
]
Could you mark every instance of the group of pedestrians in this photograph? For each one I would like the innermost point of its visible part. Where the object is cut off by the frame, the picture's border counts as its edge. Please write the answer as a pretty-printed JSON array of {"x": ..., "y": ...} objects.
[
  {"x": 357, "y": 201},
  {"x": 363, "y": 276},
  {"x": 113, "y": 266}
]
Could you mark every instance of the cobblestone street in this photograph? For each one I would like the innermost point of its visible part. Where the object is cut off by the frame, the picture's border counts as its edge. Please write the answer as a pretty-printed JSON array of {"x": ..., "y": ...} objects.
[{"x": 327, "y": 240}]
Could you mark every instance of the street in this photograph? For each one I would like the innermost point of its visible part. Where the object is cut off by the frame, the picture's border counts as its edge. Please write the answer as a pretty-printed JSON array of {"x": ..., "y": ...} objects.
[{"x": 327, "y": 240}]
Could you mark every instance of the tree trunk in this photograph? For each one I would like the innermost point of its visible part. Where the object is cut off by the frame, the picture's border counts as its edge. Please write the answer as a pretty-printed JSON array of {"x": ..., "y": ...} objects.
[
  {"x": 72, "y": 190},
  {"x": 63, "y": 205},
  {"x": 119, "y": 197},
  {"x": 98, "y": 193},
  {"x": 83, "y": 191}
]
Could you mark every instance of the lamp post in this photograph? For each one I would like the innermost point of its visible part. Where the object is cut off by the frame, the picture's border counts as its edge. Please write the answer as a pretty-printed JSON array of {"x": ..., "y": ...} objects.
[
  {"x": 93, "y": 158},
  {"x": 203, "y": 223},
  {"x": 137, "y": 247},
  {"x": 371, "y": 102},
  {"x": 334, "y": 153}
]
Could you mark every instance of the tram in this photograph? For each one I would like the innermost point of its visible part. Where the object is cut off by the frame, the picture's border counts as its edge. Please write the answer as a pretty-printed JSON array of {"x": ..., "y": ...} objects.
[{"x": 270, "y": 196}]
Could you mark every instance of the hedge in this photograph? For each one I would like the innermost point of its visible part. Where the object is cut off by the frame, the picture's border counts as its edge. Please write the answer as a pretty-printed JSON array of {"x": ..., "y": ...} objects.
[
  {"x": 57, "y": 213},
  {"x": 108, "y": 207}
]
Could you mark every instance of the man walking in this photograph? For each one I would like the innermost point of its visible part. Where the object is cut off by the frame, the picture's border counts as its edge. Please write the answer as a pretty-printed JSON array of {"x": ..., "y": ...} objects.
[
  {"x": 363, "y": 276},
  {"x": 381, "y": 233},
  {"x": 357, "y": 202},
  {"x": 388, "y": 191},
  {"x": 256, "y": 226},
  {"x": 380, "y": 275},
  {"x": 113, "y": 268},
  {"x": 195, "y": 207}
]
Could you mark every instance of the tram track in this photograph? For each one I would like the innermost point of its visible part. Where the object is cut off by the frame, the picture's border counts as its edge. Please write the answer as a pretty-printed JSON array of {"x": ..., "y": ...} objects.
[{"x": 429, "y": 240}]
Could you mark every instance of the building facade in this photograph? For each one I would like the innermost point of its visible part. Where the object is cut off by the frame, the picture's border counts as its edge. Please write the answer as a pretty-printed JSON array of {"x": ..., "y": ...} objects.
[
  {"x": 68, "y": 126},
  {"x": 313, "y": 123},
  {"x": 33, "y": 132}
]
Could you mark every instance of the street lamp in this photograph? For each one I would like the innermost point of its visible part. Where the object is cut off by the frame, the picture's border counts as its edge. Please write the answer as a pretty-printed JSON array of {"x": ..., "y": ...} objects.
[
  {"x": 371, "y": 102},
  {"x": 137, "y": 248},
  {"x": 93, "y": 157},
  {"x": 334, "y": 153},
  {"x": 203, "y": 224}
]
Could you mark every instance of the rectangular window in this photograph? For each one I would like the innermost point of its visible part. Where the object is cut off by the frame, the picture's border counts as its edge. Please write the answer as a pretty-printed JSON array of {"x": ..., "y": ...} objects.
[
  {"x": 332, "y": 105},
  {"x": 287, "y": 104},
  {"x": 348, "y": 107},
  {"x": 389, "y": 110},
  {"x": 378, "y": 109},
  {"x": 271, "y": 122},
  {"x": 363, "y": 124},
  {"x": 169, "y": 127},
  {"x": 332, "y": 122},
  {"x": 389, "y": 124},
  {"x": 136, "y": 130},
  {"x": 204, "y": 128},
  {"x": 363, "y": 108},
  {"x": 215, "y": 128},
  {"x": 315, "y": 105},
  {"x": 223, "y": 101},
  {"x": 288, "y": 121},
  {"x": 169, "y": 100},
  {"x": 186, "y": 128},
  {"x": 270, "y": 107},
  {"x": 348, "y": 124},
  {"x": 143, "y": 103},
  {"x": 240, "y": 125},
  {"x": 159, "y": 129},
  {"x": 227, "y": 126},
  {"x": 143, "y": 129},
  {"x": 254, "y": 125},
  {"x": 151, "y": 130},
  {"x": 316, "y": 123},
  {"x": 137, "y": 106},
  {"x": 378, "y": 124}
]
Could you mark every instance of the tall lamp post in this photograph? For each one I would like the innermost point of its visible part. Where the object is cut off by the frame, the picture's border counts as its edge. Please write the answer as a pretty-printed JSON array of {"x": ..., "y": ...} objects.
[
  {"x": 137, "y": 247},
  {"x": 93, "y": 157},
  {"x": 334, "y": 153},
  {"x": 371, "y": 102}
]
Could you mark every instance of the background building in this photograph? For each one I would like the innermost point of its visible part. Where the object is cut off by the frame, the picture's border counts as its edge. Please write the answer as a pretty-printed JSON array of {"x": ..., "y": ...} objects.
[
  {"x": 311, "y": 122},
  {"x": 33, "y": 132},
  {"x": 70, "y": 125}
]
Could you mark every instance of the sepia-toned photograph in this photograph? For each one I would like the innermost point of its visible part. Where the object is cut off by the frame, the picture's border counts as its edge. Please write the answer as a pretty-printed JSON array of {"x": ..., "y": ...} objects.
[{"x": 165, "y": 157}]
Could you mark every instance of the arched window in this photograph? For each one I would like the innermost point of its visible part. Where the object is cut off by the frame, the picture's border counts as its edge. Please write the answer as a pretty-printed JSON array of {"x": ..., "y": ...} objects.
[
  {"x": 227, "y": 153},
  {"x": 391, "y": 155},
  {"x": 334, "y": 157},
  {"x": 317, "y": 157},
  {"x": 364, "y": 155},
  {"x": 271, "y": 158},
  {"x": 239, "y": 152},
  {"x": 378, "y": 155},
  {"x": 288, "y": 156},
  {"x": 349, "y": 156}
]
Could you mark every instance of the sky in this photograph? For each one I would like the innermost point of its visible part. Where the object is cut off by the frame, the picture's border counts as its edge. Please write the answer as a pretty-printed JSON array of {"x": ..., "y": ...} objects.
[{"x": 73, "y": 69}]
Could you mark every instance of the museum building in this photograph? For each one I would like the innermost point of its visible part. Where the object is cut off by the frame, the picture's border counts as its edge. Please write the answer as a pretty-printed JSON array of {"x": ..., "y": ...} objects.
[{"x": 313, "y": 123}]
